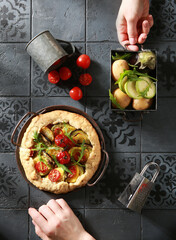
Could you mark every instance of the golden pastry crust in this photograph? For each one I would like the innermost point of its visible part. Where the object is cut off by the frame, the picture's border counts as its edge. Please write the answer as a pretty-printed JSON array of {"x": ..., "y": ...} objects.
[{"x": 75, "y": 120}]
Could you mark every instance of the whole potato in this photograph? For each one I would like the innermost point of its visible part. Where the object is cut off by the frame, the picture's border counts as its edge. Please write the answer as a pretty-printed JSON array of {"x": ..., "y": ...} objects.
[
  {"x": 142, "y": 103},
  {"x": 122, "y": 98},
  {"x": 118, "y": 67}
]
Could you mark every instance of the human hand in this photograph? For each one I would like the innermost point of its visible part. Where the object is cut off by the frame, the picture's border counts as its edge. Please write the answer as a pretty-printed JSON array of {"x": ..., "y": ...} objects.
[
  {"x": 56, "y": 221},
  {"x": 133, "y": 23}
]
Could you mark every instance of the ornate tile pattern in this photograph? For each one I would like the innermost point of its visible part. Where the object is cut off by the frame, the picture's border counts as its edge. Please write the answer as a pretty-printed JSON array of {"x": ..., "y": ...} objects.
[
  {"x": 15, "y": 20},
  {"x": 121, "y": 169},
  {"x": 163, "y": 194},
  {"x": 13, "y": 188},
  {"x": 11, "y": 110},
  {"x": 164, "y": 14},
  {"x": 120, "y": 136}
]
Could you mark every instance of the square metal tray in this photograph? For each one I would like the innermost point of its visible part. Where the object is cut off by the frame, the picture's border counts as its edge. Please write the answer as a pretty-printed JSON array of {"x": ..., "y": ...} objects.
[{"x": 152, "y": 73}]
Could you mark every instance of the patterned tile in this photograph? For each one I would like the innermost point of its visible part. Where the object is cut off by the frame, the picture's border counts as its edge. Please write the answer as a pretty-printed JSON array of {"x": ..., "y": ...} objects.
[
  {"x": 158, "y": 225},
  {"x": 120, "y": 136},
  {"x": 11, "y": 111},
  {"x": 164, "y": 13},
  {"x": 42, "y": 87},
  {"x": 66, "y": 19},
  {"x": 32, "y": 236},
  {"x": 166, "y": 56},
  {"x": 122, "y": 167},
  {"x": 163, "y": 191},
  {"x": 15, "y": 70},
  {"x": 112, "y": 224},
  {"x": 100, "y": 68},
  {"x": 158, "y": 128},
  {"x": 39, "y": 103},
  {"x": 13, "y": 225},
  {"x": 13, "y": 188},
  {"x": 101, "y": 18},
  {"x": 15, "y": 20},
  {"x": 75, "y": 199}
]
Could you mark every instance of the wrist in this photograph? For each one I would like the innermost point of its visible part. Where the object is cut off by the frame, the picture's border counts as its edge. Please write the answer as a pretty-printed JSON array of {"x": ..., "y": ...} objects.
[{"x": 85, "y": 236}]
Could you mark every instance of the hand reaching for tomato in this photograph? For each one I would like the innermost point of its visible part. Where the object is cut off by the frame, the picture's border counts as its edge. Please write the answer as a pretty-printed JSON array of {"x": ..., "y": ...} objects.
[{"x": 56, "y": 221}]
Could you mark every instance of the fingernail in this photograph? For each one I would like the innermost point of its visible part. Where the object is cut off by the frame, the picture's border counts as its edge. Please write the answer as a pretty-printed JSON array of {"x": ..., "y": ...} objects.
[{"x": 132, "y": 40}]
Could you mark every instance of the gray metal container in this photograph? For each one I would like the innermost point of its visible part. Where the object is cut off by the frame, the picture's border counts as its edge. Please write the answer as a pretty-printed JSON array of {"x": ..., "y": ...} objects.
[{"x": 46, "y": 51}]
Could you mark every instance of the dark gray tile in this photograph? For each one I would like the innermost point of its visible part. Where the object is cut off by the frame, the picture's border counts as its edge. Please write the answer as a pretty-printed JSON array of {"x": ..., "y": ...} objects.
[
  {"x": 42, "y": 87},
  {"x": 65, "y": 19},
  {"x": 164, "y": 13},
  {"x": 120, "y": 136},
  {"x": 112, "y": 224},
  {"x": 166, "y": 74},
  {"x": 13, "y": 188},
  {"x": 15, "y": 21},
  {"x": 15, "y": 70},
  {"x": 75, "y": 198},
  {"x": 13, "y": 225},
  {"x": 32, "y": 235},
  {"x": 38, "y": 103},
  {"x": 158, "y": 225},
  {"x": 101, "y": 18},
  {"x": 158, "y": 127},
  {"x": 100, "y": 68},
  {"x": 163, "y": 191},
  {"x": 122, "y": 167},
  {"x": 11, "y": 111}
]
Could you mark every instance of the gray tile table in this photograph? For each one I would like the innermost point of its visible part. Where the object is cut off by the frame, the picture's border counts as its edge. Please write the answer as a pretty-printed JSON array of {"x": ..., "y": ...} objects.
[{"x": 90, "y": 26}]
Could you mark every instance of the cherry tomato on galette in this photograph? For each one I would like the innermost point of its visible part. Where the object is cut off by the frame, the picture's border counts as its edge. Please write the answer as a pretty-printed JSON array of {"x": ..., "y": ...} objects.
[
  {"x": 63, "y": 157},
  {"x": 54, "y": 175},
  {"x": 62, "y": 141},
  {"x": 41, "y": 167}
]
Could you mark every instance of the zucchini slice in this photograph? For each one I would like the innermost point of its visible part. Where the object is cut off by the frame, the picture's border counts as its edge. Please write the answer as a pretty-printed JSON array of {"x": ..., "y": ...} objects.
[
  {"x": 130, "y": 89},
  {"x": 122, "y": 83},
  {"x": 146, "y": 87}
]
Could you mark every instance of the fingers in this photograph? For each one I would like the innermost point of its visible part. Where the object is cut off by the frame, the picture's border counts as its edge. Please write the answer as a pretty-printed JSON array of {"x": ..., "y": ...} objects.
[
  {"x": 38, "y": 231},
  {"x": 63, "y": 203},
  {"x": 46, "y": 212},
  {"x": 54, "y": 206},
  {"x": 132, "y": 31},
  {"x": 150, "y": 20},
  {"x": 38, "y": 218}
]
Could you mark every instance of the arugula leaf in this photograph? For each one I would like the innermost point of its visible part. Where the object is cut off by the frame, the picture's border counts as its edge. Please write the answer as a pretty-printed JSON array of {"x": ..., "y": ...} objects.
[
  {"x": 114, "y": 101},
  {"x": 124, "y": 56},
  {"x": 77, "y": 163},
  {"x": 68, "y": 133},
  {"x": 61, "y": 165},
  {"x": 37, "y": 137}
]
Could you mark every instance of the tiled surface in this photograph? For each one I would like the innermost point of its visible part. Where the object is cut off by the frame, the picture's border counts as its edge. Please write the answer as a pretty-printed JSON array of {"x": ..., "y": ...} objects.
[{"x": 90, "y": 25}]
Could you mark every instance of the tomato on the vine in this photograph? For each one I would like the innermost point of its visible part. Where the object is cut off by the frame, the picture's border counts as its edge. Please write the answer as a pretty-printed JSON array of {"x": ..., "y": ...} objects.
[
  {"x": 41, "y": 167},
  {"x": 63, "y": 157},
  {"x": 83, "y": 61},
  {"x": 53, "y": 77},
  {"x": 76, "y": 93},
  {"x": 85, "y": 79},
  {"x": 62, "y": 141},
  {"x": 54, "y": 175},
  {"x": 65, "y": 73}
]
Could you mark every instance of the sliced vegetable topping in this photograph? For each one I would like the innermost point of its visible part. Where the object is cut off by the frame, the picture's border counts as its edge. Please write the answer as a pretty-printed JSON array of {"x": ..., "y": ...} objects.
[
  {"x": 54, "y": 175},
  {"x": 42, "y": 168},
  {"x": 61, "y": 140},
  {"x": 63, "y": 157}
]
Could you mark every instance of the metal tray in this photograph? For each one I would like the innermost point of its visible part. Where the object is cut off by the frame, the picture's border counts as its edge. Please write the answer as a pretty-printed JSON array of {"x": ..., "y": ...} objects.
[
  {"x": 129, "y": 110},
  {"x": 104, "y": 155}
]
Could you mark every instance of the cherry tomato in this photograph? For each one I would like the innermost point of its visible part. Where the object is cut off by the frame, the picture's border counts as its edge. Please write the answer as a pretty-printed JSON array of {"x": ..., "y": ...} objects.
[
  {"x": 53, "y": 77},
  {"x": 54, "y": 175},
  {"x": 41, "y": 167},
  {"x": 83, "y": 61},
  {"x": 57, "y": 131},
  {"x": 65, "y": 73},
  {"x": 73, "y": 170},
  {"x": 63, "y": 157},
  {"x": 77, "y": 155},
  {"x": 85, "y": 79},
  {"x": 62, "y": 141},
  {"x": 76, "y": 93},
  {"x": 57, "y": 62}
]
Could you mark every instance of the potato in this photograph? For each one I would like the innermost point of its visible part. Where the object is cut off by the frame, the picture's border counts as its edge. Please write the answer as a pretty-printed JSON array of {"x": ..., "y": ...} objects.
[
  {"x": 118, "y": 67},
  {"x": 122, "y": 98},
  {"x": 142, "y": 103}
]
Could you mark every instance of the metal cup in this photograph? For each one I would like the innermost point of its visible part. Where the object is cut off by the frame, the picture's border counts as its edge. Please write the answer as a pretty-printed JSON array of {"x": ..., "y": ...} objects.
[{"x": 46, "y": 51}]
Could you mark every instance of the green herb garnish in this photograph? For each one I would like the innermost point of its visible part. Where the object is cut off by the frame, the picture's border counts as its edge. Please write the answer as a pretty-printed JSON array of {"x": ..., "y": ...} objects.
[
  {"x": 124, "y": 56},
  {"x": 114, "y": 101},
  {"x": 37, "y": 137},
  {"x": 68, "y": 133},
  {"x": 61, "y": 165}
]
